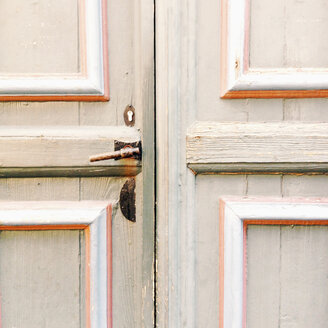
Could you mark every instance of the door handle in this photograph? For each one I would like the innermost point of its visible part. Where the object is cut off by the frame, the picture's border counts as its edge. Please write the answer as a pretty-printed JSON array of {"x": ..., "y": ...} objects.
[{"x": 121, "y": 150}]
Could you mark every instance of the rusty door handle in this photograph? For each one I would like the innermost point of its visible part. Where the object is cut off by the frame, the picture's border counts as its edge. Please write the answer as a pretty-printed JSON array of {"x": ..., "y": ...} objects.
[{"x": 118, "y": 154}]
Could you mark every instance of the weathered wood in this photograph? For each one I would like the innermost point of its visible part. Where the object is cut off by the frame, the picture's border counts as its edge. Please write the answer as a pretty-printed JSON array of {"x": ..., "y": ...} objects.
[
  {"x": 40, "y": 278},
  {"x": 33, "y": 189},
  {"x": 33, "y": 81},
  {"x": 281, "y": 34},
  {"x": 236, "y": 214},
  {"x": 131, "y": 73},
  {"x": 263, "y": 276},
  {"x": 257, "y": 147},
  {"x": 22, "y": 22},
  {"x": 239, "y": 80},
  {"x": 176, "y": 76},
  {"x": 44, "y": 150},
  {"x": 95, "y": 218},
  {"x": 127, "y": 246},
  {"x": 285, "y": 274}
]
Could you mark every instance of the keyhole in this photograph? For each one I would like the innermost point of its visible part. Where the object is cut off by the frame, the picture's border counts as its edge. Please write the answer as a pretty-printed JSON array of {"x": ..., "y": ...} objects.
[{"x": 130, "y": 115}]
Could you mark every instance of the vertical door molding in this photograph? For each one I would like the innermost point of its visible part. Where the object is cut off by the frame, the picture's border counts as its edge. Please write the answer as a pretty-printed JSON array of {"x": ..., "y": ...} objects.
[{"x": 175, "y": 111}]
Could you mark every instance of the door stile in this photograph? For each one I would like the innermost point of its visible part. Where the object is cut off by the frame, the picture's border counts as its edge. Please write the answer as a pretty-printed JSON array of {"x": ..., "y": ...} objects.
[{"x": 175, "y": 111}]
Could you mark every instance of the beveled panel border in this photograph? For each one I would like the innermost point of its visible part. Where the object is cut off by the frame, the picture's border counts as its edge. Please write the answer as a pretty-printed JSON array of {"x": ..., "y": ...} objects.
[
  {"x": 235, "y": 215},
  {"x": 91, "y": 84},
  {"x": 95, "y": 218},
  {"x": 238, "y": 80}
]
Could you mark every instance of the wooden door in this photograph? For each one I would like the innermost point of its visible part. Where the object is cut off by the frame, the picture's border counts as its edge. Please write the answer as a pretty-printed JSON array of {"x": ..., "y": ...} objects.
[
  {"x": 69, "y": 71},
  {"x": 223, "y": 160}
]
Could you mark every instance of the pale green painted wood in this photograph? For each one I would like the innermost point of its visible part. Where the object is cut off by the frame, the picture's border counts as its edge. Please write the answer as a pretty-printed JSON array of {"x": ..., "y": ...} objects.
[
  {"x": 39, "y": 36},
  {"x": 287, "y": 276},
  {"x": 41, "y": 279}
]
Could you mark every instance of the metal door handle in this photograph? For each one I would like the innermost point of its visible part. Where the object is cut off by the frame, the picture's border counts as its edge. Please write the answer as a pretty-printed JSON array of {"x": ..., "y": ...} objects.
[{"x": 118, "y": 154}]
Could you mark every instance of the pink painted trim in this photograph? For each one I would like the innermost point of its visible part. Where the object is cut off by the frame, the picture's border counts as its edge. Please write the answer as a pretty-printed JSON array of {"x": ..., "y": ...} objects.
[
  {"x": 0, "y": 312},
  {"x": 244, "y": 274},
  {"x": 87, "y": 278},
  {"x": 109, "y": 269}
]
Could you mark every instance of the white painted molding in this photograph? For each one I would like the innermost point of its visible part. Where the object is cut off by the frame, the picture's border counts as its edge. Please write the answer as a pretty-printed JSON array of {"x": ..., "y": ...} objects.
[
  {"x": 95, "y": 219},
  {"x": 238, "y": 80},
  {"x": 235, "y": 214},
  {"x": 63, "y": 151},
  {"x": 91, "y": 84},
  {"x": 257, "y": 147}
]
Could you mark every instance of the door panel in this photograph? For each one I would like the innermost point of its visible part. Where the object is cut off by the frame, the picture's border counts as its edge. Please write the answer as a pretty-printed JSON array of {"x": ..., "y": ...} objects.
[
  {"x": 42, "y": 275},
  {"x": 187, "y": 205},
  {"x": 69, "y": 177},
  {"x": 286, "y": 274}
]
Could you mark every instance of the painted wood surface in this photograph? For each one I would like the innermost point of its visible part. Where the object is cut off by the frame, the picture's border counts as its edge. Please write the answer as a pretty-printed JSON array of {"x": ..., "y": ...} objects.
[
  {"x": 21, "y": 24},
  {"x": 302, "y": 229},
  {"x": 89, "y": 80},
  {"x": 292, "y": 26},
  {"x": 239, "y": 80},
  {"x": 286, "y": 265},
  {"x": 41, "y": 281},
  {"x": 40, "y": 151},
  {"x": 95, "y": 219},
  {"x": 176, "y": 85},
  {"x": 196, "y": 46},
  {"x": 215, "y": 147},
  {"x": 131, "y": 74}
]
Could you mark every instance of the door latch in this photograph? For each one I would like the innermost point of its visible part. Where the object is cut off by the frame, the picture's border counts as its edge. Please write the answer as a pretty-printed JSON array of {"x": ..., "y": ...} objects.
[{"x": 121, "y": 150}]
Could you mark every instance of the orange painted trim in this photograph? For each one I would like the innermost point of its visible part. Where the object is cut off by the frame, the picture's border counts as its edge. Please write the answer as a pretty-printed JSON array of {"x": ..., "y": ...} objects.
[
  {"x": 87, "y": 278},
  {"x": 244, "y": 274},
  {"x": 274, "y": 94},
  {"x": 285, "y": 222},
  {"x": 109, "y": 268},
  {"x": 43, "y": 227},
  {"x": 85, "y": 98},
  {"x": 221, "y": 262},
  {"x": 0, "y": 312}
]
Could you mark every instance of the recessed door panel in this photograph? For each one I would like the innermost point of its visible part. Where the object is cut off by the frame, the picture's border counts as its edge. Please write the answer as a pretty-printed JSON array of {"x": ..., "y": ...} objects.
[{"x": 42, "y": 278}]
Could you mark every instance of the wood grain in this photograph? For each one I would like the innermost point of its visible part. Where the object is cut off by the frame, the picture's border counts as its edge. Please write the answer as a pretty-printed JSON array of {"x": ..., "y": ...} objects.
[
  {"x": 286, "y": 276},
  {"x": 261, "y": 146},
  {"x": 53, "y": 148},
  {"x": 40, "y": 279}
]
